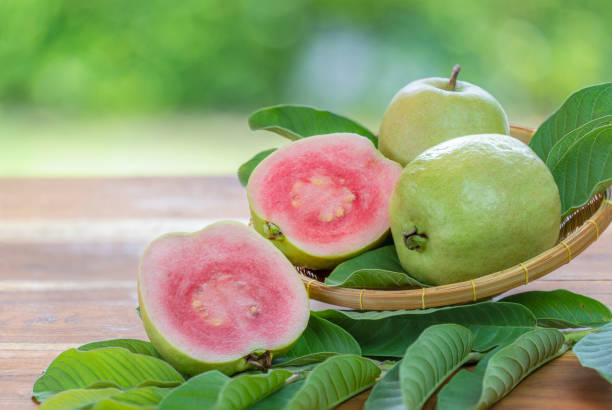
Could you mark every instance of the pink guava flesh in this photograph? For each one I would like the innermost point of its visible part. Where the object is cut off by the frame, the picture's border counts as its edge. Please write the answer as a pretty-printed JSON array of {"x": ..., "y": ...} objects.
[
  {"x": 222, "y": 293},
  {"x": 328, "y": 194}
]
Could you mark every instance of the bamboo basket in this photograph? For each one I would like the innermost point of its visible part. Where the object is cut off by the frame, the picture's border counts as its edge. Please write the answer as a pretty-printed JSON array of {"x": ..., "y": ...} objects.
[{"x": 577, "y": 232}]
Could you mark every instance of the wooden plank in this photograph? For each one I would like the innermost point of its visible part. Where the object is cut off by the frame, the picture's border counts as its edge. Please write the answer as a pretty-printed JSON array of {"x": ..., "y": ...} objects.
[
  {"x": 69, "y": 251},
  {"x": 19, "y": 369},
  {"x": 116, "y": 198},
  {"x": 74, "y": 316}
]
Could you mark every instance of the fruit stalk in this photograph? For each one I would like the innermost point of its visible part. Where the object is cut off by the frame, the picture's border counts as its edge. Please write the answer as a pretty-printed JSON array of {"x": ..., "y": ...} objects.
[{"x": 452, "y": 83}]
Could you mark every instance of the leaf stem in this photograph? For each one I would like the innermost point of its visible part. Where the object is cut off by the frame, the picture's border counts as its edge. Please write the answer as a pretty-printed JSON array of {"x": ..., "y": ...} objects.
[
  {"x": 474, "y": 357},
  {"x": 574, "y": 337}
]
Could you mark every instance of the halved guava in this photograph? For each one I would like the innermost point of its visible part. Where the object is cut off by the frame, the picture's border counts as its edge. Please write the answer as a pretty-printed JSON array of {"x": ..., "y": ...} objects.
[
  {"x": 217, "y": 298},
  {"x": 323, "y": 199}
]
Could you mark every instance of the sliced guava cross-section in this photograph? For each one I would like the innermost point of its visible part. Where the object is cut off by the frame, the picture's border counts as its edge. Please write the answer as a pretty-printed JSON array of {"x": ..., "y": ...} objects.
[
  {"x": 211, "y": 298},
  {"x": 323, "y": 199}
]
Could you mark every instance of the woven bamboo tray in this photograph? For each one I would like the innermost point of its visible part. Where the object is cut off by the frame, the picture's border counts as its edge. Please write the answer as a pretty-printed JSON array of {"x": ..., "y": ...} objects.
[{"x": 577, "y": 232}]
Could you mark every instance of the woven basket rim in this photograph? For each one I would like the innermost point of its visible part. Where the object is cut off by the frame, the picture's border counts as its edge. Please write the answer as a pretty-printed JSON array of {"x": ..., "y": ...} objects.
[{"x": 596, "y": 221}]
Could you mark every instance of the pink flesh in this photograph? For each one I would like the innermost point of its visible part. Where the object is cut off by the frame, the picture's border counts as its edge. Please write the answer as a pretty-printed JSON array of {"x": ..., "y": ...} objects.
[
  {"x": 222, "y": 293},
  {"x": 328, "y": 194}
]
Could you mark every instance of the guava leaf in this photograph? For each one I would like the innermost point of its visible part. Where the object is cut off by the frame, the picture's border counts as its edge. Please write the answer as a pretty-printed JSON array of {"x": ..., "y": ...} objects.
[
  {"x": 106, "y": 367},
  {"x": 200, "y": 391},
  {"x": 77, "y": 399},
  {"x": 376, "y": 269},
  {"x": 214, "y": 390},
  {"x": 390, "y": 333},
  {"x": 111, "y": 404},
  {"x": 500, "y": 371},
  {"x": 581, "y": 107},
  {"x": 563, "y": 309},
  {"x": 297, "y": 121},
  {"x": 569, "y": 139},
  {"x": 595, "y": 351},
  {"x": 280, "y": 398},
  {"x": 305, "y": 362},
  {"x": 320, "y": 338},
  {"x": 333, "y": 381},
  {"x": 246, "y": 169},
  {"x": 143, "y": 398},
  {"x": 133, "y": 345},
  {"x": 387, "y": 393},
  {"x": 434, "y": 356},
  {"x": 585, "y": 169}
]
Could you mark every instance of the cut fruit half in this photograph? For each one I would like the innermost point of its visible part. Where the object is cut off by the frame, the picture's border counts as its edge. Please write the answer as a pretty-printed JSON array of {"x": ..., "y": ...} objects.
[
  {"x": 219, "y": 298},
  {"x": 323, "y": 199}
]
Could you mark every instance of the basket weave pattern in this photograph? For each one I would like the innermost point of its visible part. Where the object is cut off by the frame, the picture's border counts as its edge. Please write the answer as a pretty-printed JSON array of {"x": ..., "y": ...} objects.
[{"x": 577, "y": 232}]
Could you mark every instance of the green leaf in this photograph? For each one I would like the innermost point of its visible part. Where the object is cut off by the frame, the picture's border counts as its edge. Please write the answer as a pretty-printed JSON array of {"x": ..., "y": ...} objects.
[
  {"x": 304, "y": 362},
  {"x": 334, "y": 381},
  {"x": 387, "y": 393},
  {"x": 138, "y": 399},
  {"x": 297, "y": 121},
  {"x": 244, "y": 390},
  {"x": 580, "y": 108},
  {"x": 595, "y": 351},
  {"x": 497, "y": 374},
  {"x": 585, "y": 169},
  {"x": 390, "y": 333},
  {"x": 200, "y": 391},
  {"x": 376, "y": 269},
  {"x": 321, "y": 336},
  {"x": 569, "y": 139},
  {"x": 111, "y": 404},
  {"x": 106, "y": 367},
  {"x": 213, "y": 390},
  {"x": 563, "y": 309},
  {"x": 77, "y": 398},
  {"x": 435, "y": 355},
  {"x": 280, "y": 398},
  {"x": 109, "y": 398},
  {"x": 246, "y": 169},
  {"x": 133, "y": 345}
]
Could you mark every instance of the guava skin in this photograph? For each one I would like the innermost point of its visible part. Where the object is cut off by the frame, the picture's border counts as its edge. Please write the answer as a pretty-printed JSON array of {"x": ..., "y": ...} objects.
[
  {"x": 424, "y": 113},
  {"x": 472, "y": 206},
  {"x": 300, "y": 258}
]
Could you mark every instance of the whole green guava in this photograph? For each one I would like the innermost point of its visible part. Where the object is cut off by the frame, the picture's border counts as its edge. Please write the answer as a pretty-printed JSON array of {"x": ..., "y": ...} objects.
[
  {"x": 429, "y": 111},
  {"x": 472, "y": 206}
]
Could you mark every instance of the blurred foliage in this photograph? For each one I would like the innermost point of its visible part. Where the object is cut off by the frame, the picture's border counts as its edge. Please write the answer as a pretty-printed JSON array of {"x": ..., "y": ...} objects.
[{"x": 117, "y": 56}]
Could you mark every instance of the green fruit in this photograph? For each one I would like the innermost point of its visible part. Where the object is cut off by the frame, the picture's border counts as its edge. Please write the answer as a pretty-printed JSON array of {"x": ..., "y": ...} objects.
[
  {"x": 472, "y": 206},
  {"x": 222, "y": 298},
  {"x": 429, "y": 111}
]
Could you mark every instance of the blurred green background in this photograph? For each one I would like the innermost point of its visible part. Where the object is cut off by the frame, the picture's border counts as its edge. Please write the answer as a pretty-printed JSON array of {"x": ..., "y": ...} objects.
[{"x": 109, "y": 87}]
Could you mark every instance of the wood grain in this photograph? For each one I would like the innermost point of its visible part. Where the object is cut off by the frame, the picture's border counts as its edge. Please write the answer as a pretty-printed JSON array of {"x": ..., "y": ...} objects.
[{"x": 69, "y": 251}]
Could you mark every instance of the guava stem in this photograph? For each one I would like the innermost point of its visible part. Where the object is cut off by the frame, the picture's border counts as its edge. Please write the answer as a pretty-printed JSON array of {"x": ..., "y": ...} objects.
[
  {"x": 263, "y": 362},
  {"x": 452, "y": 83}
]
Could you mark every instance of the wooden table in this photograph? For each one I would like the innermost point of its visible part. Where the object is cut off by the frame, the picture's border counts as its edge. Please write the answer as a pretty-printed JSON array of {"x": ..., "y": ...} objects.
[{"x": 69, "y": 251}]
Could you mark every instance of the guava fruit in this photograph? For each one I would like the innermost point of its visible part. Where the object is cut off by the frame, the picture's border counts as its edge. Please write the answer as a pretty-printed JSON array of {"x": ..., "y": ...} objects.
[
  {"x": 432, "y": 110},
  {"x": 323, "y": 199},
  {"x": 219, "y": 298},
  {"x": 472, "y": 206}
]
